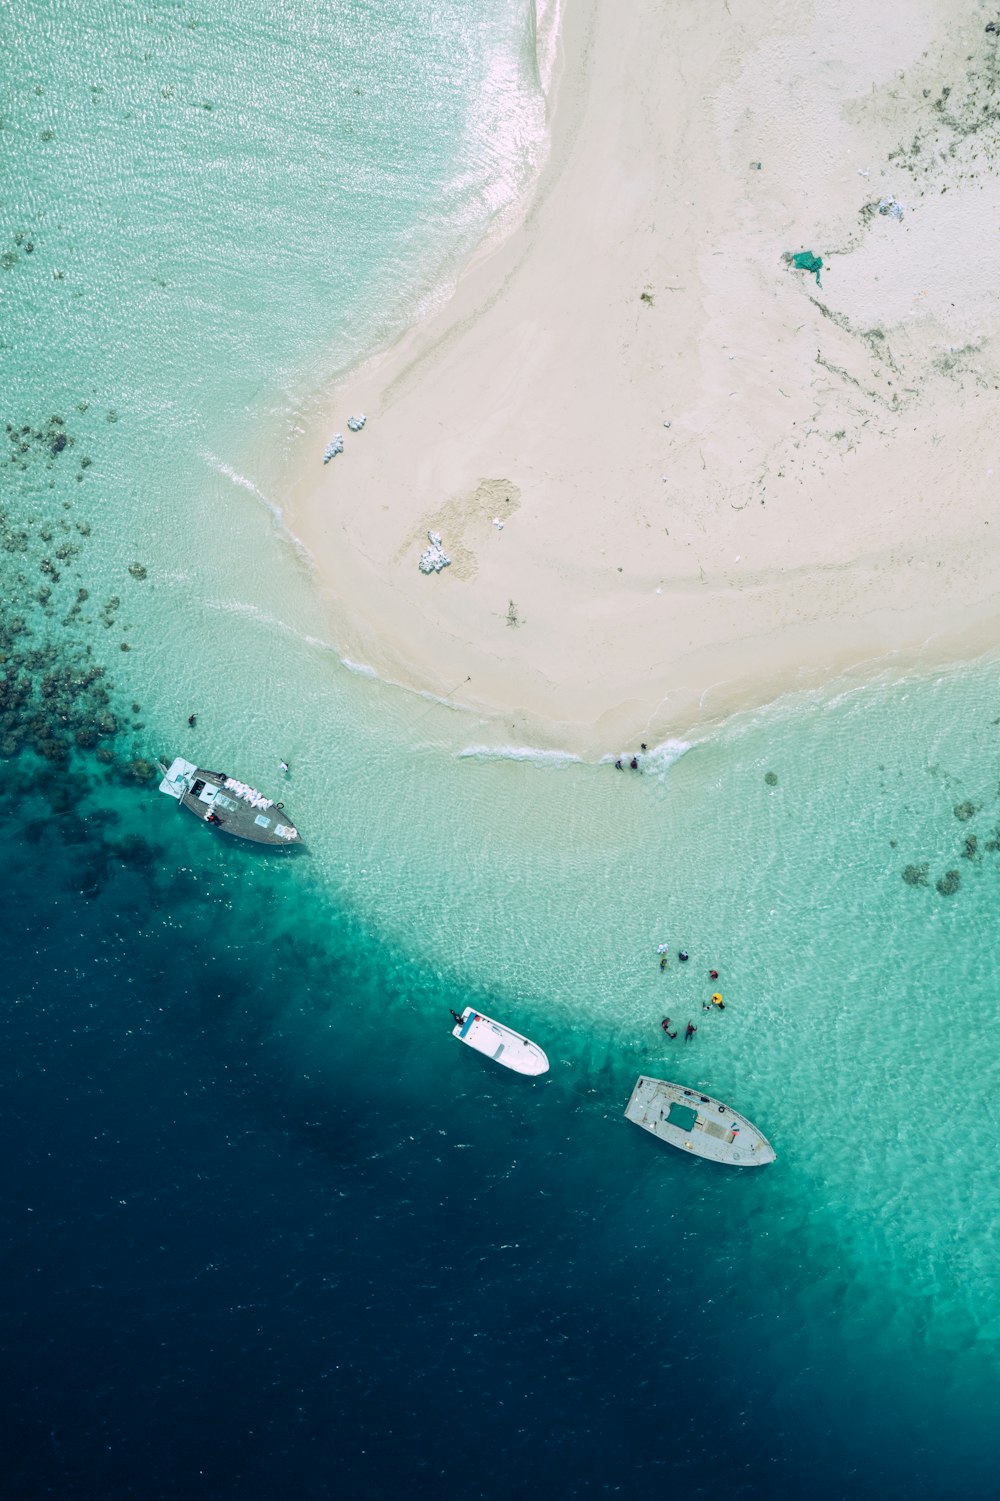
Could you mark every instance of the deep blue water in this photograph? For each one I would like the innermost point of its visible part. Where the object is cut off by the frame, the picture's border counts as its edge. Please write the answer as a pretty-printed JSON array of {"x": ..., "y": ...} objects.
[{"x": 268, "y": 1231}]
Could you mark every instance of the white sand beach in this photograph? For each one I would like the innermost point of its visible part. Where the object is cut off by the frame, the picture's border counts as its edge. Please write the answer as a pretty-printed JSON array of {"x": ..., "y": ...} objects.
[{"x": 716, "y": 479}]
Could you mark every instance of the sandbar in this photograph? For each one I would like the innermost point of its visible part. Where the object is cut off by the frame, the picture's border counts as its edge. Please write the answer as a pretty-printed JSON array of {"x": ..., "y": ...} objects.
[{"x": 716, "y": 480}]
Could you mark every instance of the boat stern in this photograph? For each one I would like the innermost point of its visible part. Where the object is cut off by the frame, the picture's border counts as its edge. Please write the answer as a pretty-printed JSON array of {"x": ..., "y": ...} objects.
[{"x": 177, "y": 777}]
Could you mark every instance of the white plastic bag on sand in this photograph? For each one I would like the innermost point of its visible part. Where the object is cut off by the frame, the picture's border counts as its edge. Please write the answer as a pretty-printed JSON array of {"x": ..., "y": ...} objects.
[{"x": 433, "y": 558}]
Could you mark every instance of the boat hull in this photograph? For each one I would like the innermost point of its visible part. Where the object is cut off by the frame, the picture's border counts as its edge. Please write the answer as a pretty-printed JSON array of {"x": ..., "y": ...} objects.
[
  {"x": 502, "y": 1044},
  {"x": 696, "y": 1123}
]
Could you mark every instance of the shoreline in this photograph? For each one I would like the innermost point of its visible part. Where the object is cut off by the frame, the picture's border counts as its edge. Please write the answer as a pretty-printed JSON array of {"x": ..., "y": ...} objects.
[
  {"x": 971, "y": 647},
  {"x": 821, "y": 499}
]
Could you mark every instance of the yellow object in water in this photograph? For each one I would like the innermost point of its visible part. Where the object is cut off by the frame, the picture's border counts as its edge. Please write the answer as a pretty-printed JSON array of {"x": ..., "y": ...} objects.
[{"x": 717, "y": 999}]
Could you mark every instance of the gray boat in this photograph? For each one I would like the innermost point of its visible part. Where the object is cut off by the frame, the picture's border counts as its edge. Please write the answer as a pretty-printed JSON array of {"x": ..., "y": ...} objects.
[
  {"x": 228, "y": 804},
  {"x": 696, "y": 1123}
]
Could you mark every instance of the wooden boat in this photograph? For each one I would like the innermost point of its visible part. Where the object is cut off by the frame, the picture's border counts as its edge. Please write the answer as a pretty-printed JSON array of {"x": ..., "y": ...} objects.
[
  {"x": 696, "y": 1123},
  {"x": 500, "y": 1043},
  {"x": 227, "y": 804}
]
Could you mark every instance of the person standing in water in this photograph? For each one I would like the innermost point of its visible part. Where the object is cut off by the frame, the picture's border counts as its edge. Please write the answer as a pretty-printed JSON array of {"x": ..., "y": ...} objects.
[{"x": 691, "y": 1030}]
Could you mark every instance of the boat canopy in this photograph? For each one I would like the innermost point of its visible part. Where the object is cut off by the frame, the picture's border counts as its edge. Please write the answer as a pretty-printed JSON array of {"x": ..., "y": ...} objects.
[{"x": 177, "y": 777}]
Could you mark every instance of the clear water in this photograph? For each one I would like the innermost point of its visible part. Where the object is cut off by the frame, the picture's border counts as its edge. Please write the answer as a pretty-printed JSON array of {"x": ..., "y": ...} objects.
[{"x": 267, "y": 1227}]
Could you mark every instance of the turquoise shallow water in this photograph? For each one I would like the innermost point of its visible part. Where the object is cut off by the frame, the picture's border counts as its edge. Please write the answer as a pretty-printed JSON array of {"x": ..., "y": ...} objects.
[
  {"x": 266, "y": 1220},
  {"x": 267, "y": 1223}
]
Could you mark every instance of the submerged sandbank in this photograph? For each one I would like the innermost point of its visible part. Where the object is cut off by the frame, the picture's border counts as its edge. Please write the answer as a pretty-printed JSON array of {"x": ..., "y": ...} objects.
[{"x": 716, "y": 479}]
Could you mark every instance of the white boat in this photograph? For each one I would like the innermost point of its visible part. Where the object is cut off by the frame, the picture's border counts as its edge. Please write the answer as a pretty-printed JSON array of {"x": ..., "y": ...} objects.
[
  {"x": 500, "y": 1043},
  {"x": 696, "y": 1123}
]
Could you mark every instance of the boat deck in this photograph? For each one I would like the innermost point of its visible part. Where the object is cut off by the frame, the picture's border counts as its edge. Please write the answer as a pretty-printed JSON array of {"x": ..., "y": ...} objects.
[
  {"x": 229, "y": 805},
  {"x": 500, "y": 1043},
  {"x": 697, "y": 1123}
]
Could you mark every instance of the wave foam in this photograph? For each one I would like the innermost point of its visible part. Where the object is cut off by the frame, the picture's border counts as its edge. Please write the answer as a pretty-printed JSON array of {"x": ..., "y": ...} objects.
[
  {"x": 548, "y": 25},
  {"x": 660, "y": 758},
  {"x": 221, "y": 467},
  {"x": 361, "y": 669},
  {"x": 519, "y": 753}
]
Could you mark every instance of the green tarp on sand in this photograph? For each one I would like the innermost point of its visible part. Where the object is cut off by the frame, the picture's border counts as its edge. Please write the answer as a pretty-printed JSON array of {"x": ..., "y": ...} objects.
[{"x": 806, "y": 261}]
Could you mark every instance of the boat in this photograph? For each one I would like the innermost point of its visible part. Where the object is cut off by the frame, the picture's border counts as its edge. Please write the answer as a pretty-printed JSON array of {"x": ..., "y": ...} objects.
[
  {"x": 500, "y": 1043},
  {"x": 696, "y": 1123},
  {"x": 227, "y": 804}
]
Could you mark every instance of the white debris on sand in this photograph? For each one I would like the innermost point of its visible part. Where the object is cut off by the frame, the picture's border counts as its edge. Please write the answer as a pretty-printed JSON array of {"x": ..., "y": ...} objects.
[
  {"x": 891, "y": 208},
  {"x": 433, "y": 558},
  {"x": 335, "y": 446},
  {"x": 357, "y": 423}
]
